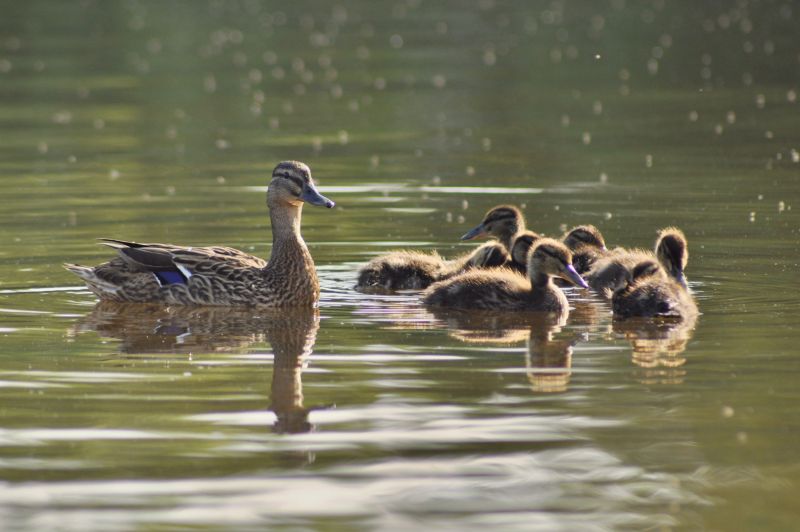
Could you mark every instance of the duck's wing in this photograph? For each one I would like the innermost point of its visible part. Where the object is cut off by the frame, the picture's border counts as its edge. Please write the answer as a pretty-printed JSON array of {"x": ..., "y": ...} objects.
[{"x": 176, "y": 264}]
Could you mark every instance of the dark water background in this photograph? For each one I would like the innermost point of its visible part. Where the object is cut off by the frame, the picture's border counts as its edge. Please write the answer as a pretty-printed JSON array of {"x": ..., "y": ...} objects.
[{"x": 161, "y": 121}]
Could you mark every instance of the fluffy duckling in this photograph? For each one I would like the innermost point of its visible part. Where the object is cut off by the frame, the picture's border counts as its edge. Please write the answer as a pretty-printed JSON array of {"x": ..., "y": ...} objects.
[
  {"x": 587, "y": 245},
  {"x": 672, "y": 252},
  {"x": 502, "y": 222},
  {"x": 523, "y": 242},
  {"x": 504, "y": 289},
  {"x": 166, "y": 273},
  {"x": 614, "y": 270},
  {"x": 414, "y": 270},
  {"x": 650, "y": 292}
]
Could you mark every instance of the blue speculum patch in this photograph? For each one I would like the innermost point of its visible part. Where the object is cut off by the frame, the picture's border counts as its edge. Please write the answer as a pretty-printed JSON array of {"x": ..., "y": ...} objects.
[{"x": 170, "y": 277}]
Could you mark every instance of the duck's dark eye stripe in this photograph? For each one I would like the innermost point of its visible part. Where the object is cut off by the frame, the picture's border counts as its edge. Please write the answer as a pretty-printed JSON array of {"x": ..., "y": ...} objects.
[
  {"x": 293, "y": 178},
  {"x": 557, "y": 257}
]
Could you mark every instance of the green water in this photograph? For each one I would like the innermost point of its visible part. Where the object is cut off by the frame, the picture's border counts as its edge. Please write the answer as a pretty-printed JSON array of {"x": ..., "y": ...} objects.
[{"x": 158, "y": 121}]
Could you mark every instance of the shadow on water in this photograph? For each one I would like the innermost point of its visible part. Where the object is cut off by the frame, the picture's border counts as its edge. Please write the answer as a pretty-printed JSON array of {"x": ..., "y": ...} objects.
[{"x": 144, "y": 329}]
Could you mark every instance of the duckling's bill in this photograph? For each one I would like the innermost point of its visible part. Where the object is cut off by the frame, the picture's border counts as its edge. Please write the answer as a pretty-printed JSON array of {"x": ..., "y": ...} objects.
[
  {"x": 474, "y": 233},
  {"x": 571, "y": 275}
]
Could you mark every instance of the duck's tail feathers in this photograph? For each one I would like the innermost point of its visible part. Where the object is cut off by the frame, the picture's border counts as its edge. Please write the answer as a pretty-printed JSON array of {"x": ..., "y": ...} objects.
[{"x": 98, "y": 286}]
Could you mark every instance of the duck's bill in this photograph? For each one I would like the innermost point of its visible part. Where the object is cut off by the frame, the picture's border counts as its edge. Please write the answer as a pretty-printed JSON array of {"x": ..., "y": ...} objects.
[
  {"x": 574, "y": 277},
  {"x": 311, "y": 195},
  {"x": 474, "y": 233},
  {"x": 681, "y": 279}
]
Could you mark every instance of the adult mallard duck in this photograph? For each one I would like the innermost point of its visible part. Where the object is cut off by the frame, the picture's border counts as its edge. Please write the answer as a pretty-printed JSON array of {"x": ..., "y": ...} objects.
[
  {"x": 181, "y": 275},
  {"x": 651, "y": 292},
  {"x": 615, "y": 269},
  {"x": 414, "y": 270},
  {"x": 505, "y": 289}
]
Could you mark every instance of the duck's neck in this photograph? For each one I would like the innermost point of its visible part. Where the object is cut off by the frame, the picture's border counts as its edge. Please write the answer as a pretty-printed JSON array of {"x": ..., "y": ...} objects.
[
  {"x": 540, "y": 281},
  {"x": 507, "y": 236},
  {"x": 289, "y": 252}
]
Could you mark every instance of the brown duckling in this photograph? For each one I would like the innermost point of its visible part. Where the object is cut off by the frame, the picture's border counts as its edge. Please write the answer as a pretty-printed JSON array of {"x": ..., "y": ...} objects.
[
  {"x": 587, "y": 245},
  {"x": 502, "y": 222},
  {"x": 523, "y": 242},
  {"x": 614, "y": 270},
  {"x": 413, "y": 270},
  {"x": 504, "y": 289},
  {"x": 650, "y": 292}
]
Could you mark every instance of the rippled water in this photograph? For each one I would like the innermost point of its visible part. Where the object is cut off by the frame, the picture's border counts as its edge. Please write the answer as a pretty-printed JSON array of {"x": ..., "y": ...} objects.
[{"x": 161, "y": 122}]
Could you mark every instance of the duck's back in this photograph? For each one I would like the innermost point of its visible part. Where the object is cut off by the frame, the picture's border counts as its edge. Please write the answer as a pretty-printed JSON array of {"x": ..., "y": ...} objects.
[
  {"x": 654, "y": 297},
  {"x": 400, "y": 270},
  {"x": 610, "y": 271}
]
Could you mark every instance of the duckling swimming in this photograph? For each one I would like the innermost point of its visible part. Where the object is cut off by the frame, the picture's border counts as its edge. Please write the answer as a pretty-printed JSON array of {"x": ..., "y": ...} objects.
[
  {"x": 504, "y": 289},
  {"x": 615, "y": 268},
  {"x": 650, "y": 292},
  {"x": 502, "y": 222},
  {"x": 171, "y": 274},
  {"x": 413, "y": 270},
  {"x": 587, "y": 245},
  {"x": 523, "y": 242}
]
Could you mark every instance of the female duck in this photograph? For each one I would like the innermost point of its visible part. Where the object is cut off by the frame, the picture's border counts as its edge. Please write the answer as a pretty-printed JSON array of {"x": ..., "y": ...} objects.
[
  {"x": 506, "y": 289},
  {"x": 218, "y": 275},
  {"x": 614, "y": 270},
  {"x": 413, "y": 270},
  {"x": 651, "y": 292}
]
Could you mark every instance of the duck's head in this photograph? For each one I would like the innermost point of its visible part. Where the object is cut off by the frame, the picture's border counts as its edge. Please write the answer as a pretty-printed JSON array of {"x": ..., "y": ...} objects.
[
  {"x": 552, "y": 258},
  {"x": 673, "y": 252},
  {"x": 584, "y": 235},
  {"x": 292, "y": 184},
  {"x": 521, "y": 247},
  {"x": 501, "y": 222}
]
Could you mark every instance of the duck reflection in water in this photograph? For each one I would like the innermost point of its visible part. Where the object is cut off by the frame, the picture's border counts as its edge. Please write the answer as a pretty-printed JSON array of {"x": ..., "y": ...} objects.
[
  {"x": 658, "y": 346},
  {"x": 548, "y": 356},
  {"x": 144, "y": 328}
]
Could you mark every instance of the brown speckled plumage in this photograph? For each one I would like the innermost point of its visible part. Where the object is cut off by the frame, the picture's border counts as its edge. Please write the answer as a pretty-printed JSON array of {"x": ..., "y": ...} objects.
[
  {"x": 504, "y": 289},
  {"x": 219, "y": 275},
  {"x": 413, "y": 270}
]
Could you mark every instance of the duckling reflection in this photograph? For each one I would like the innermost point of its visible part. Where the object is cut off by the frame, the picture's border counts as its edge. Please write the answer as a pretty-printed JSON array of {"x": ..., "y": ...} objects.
[
  {"x": 658, "y": 346},
  {"x": 144, "y": 329},
  {"x": 494, "y": 327},
  {"x": 548, "y": 359}
]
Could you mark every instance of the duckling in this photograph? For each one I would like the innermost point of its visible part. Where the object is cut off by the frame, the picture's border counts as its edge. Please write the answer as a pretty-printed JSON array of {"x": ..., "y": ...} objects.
[
  {"x": 587, "y": 245},
  {"x": 672, "y": 251},
  {"x": 171, "y": 274},
  {"x": 650, "y": 292},
  {"x": 523, "y": 242},
  {"x": 502, "y": 222},
  {"x": 504, "y": 289},
  {"x": 613, "y": 271},
  {"x": 413, "y": 270}
]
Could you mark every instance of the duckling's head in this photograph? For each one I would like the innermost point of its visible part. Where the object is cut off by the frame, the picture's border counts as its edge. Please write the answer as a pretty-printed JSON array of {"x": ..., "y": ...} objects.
[
  {"x": 673, "y": 252},
  {"x": 584, "y": 235},
  {"x": 646, "y": 268},
  {"x": 292, "y": 184},
  {"x": 522, "y": 246},
  {"x": 551, "y": 257},
  {"x": 501, "y": 222}
]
